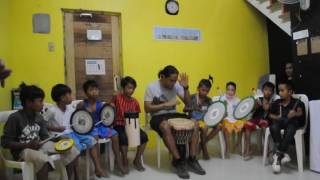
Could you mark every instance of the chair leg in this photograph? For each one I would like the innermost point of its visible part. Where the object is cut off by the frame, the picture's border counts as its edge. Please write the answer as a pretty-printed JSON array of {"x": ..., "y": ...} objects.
[
  {"x": 242, "y": 143},
  {"x": 265, "y": 146},
  {"x": 111, "y": 155},
  {"x": 187, "y": 150},
  {"x": 222, "y": 144},
  {"x": 28, "y": 171},
  {"x": 158, "y": 151},
  {"x": 87, "y": 164},
  {"x": 61, "y": 168},
  {"x": 299, "y": 150},
  {"x": 260, "y": 139}
]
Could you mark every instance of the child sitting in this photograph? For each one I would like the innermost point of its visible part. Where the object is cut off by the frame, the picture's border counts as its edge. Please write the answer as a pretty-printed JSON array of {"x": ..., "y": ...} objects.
[
  {"x": 24, "y": 131},
  {"x": 199, "y": 105},
  {"x": 259, "y": 118},
  {"x": 60, "y": 122},
  {"x": 94, "y": 106},
  {"x": 230, "y": 124},
  {"x": 288, "y": 114},
  {"x": 124, "y": 102}
]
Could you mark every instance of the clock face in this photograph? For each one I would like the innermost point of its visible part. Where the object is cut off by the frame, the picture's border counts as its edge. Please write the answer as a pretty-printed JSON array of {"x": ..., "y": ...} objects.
[{"x": 172, "y": 7}]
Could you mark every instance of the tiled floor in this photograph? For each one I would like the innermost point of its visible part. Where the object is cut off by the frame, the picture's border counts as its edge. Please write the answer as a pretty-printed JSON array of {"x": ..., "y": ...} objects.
[{"x": 217, "y": 169}]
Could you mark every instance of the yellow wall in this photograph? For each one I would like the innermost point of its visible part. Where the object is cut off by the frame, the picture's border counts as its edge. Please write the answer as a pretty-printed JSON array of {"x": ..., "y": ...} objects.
[
  {"x": 233, "y": 46},
  {"x": 4, "y": 50}
]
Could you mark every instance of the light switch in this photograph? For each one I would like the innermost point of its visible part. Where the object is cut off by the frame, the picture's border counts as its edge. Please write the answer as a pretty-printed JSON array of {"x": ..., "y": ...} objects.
[{"x": 51, "y": 47}]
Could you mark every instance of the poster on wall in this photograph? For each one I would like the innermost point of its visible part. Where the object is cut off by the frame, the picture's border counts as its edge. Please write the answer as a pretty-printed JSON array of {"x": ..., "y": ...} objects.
[
  {"x": 315, "y": 44},
  {"x": 176, "y": 34},
  {"x": 95, "y": 67}
]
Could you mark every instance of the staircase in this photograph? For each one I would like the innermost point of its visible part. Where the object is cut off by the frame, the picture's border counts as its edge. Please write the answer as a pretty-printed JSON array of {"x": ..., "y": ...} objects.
[{"x": 274, "y": 13}]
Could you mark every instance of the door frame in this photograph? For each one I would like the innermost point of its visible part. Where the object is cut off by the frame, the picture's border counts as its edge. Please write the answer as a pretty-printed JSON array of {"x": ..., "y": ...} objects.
[{"x": 69, "y": 56}]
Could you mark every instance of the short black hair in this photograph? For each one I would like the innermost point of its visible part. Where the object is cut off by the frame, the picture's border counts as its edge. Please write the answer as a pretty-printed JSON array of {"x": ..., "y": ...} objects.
[
  {"x": 231, "y": 83},
  {"x": 30, "y": 92},
  {"x": 128, "y": 80},
  {"x": 167, "y": 71},
  {"x": 59, "y": 90},
  {"x": 268, "y": 85},
  {"x": 88, "y": 84},
  {"x": 288, "y": 63},
  {"x": 289, "y": 85},
  {"x": 206, "y": 82}
]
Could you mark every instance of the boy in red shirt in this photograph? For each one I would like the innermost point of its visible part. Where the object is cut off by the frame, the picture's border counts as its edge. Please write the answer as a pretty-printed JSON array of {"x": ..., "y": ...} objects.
[{"x": 124, "y": 102}]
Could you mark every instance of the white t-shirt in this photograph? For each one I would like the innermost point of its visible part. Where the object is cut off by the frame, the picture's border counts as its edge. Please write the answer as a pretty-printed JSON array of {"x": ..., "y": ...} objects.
[
  {"x": 231, "y": 105},
  {"x": 157, "y": 94},
  {"x": 60, "y": 118}
]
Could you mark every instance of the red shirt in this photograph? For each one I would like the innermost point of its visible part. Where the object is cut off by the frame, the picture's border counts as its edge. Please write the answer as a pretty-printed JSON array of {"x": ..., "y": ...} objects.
[{"x": 122, "y": 105}]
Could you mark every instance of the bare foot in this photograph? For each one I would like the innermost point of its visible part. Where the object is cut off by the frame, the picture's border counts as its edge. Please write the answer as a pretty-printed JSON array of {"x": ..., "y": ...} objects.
[
  {"x": 118, "y": 171},
  {"x": 100, "y": 173},
  {"x": 138, "y": 165},
  {"x": 205, "y": 155},
  {"x": 118, "y": 168},
  {"x": 247, "y": 156}
]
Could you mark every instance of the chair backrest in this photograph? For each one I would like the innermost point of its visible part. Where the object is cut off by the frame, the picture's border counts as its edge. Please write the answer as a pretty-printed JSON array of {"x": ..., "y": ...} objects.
[
  {"x": 147, "y": 118},
  {"x": 4, "y": 115},
  {"x": 305, "y": 101},
  {"x": 216, "y": 98},
  {"x": 75, "y": 103}
]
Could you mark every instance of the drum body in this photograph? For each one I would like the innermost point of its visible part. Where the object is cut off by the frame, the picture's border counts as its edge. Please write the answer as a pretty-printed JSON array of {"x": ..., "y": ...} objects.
[
  {"x": 81, "y": 122},
  {"x": 244, "y": 108},
  {"x": 182, "y": 130},
  {"x": 215, "y": 114},
  {"x": 132, "y": 128},
  {"x": 107, "y": 115}
]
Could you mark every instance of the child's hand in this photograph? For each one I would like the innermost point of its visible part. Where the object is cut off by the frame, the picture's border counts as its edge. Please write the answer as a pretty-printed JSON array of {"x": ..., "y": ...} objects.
[
  {"x": 266, "y": 106},
  {"x": 61, "y": 129},
  {"x": 292, "y": 114},
  {"x": 35, "y": 145},
  {"x": 259, "y": 103}
]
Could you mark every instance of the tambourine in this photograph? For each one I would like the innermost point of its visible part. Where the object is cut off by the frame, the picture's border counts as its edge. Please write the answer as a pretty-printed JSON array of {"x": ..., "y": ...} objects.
[
  {"x": 107, "y": 115},
  {"x": 215, "y": 114},
  {"x": 81, "y": 121},
  {"x": 244, "y": 108},
  {"x": 63, "y": 145}
]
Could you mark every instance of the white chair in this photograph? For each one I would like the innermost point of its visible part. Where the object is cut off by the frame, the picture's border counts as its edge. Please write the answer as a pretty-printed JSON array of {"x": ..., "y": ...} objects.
[
  {"x": 299, "y": 139},
  {"x": 147, "y": 127},
  {"x": 259, "y": 131},
  {"x": 27, "y": 168}
]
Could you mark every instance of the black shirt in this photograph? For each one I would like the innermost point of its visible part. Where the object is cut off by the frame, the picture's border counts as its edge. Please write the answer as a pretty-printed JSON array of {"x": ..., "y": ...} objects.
[
  {"x": 23, "y": 127},
  {"x": 259, "y": 112},
  {"x": 275, "y": 109}
]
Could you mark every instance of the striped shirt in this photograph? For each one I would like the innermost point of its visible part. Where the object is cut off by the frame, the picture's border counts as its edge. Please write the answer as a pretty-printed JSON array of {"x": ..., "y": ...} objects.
[{"x": 122, "y": 105}]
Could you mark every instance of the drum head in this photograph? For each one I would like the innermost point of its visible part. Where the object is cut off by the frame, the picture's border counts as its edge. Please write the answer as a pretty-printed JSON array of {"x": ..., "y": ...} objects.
[
  {"x": 81, "y": 122},
  {"x": 215, "y": 114},
  {"x": 181, "y": 124},
  {"x": 63, "y": 145},
  {"x": 107, "y": 115},
  {"x": 244, "y": 108}
]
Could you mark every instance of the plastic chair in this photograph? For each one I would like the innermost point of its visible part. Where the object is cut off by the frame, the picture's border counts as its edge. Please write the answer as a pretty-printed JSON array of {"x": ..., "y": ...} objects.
[
  {"x": 27, "y": 168},
  {"x": 299, "y": 136}
]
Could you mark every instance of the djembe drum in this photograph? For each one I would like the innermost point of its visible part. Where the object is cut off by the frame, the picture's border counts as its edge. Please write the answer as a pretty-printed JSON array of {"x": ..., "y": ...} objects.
[{"x": 182, "y": 130}]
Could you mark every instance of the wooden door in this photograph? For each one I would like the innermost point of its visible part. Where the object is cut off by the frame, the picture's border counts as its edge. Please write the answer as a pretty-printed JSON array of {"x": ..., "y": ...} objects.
[{"x": 79, "y": 49}]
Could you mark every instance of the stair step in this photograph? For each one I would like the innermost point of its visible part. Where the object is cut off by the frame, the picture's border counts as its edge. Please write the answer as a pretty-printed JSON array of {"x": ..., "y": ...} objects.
[{"x": 274, "y": 13}]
